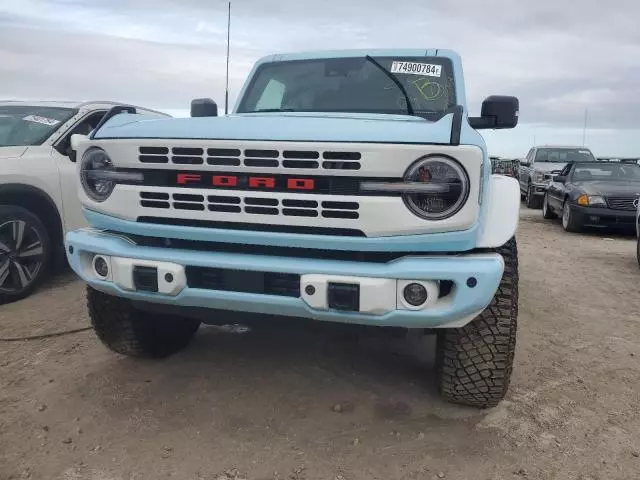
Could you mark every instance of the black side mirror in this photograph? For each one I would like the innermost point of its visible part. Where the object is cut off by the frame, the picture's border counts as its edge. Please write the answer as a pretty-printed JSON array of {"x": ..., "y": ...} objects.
[
  {"x": 560, "y": 178},
  {"x": 525, "y": 163},
  {"x": 204, "y": 107},
  {"x": 497, "y": 112}
]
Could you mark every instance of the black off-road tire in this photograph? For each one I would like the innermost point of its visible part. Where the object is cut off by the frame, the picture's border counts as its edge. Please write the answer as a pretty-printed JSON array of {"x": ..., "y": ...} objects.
[
  {"x": 136, "y": 333},
  {"x": 34, "y": 229},
  {"x": 546, "y": 209},
  {"x": 533, "y": 201},
  {"x": 474, "y": 363}
]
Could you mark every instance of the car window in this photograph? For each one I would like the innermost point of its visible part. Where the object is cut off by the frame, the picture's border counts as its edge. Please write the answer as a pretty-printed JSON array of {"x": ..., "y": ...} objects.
[
  {"x": 563, "y": 155},
  {"x": 30, "y": 125},
  {"x": 606, "y": 171},
  {"x": 353, "y": 85},
  {"x": 83, "y": 128}
]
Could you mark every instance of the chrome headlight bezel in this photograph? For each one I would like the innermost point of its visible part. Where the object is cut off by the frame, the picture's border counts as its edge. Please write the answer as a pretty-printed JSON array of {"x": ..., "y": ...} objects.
[
  {"x": 410, "y": 177},
  {"x": 95, "y": 162}
]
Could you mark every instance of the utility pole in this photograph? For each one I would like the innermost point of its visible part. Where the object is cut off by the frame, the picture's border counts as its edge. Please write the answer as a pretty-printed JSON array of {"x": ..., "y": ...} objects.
[
  {"x": 226, "y": 92},
  {"x": 584, "y": 129}
]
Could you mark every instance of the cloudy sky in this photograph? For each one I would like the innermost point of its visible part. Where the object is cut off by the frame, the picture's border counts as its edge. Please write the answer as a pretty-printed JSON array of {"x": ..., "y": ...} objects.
[{"x": 559, "y": 57}]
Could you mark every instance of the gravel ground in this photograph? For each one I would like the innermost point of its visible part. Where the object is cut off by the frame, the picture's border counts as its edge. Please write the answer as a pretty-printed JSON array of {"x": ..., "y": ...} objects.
[{"x": 303, "y": 405}]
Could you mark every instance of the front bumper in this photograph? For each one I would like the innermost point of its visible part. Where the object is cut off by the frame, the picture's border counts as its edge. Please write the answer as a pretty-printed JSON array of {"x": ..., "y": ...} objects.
[
  {"x": 604, "y": 217},
  {"x": 380, "y": 284},
  {"x": 539, "y": 189}
]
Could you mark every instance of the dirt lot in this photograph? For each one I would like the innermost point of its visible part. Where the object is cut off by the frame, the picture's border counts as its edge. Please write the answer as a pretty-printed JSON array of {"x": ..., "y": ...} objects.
[{"x": 261, "y": 406}]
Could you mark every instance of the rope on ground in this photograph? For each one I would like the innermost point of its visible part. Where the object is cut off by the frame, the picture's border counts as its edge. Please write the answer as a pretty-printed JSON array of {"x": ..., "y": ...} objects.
[{"x": 46, "y": 335}]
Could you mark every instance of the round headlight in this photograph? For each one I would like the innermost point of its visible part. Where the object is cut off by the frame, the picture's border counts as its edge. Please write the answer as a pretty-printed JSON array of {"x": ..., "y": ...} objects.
[
  {"x": 449, "y": 187},
  {"x": 95, "y": 162}
]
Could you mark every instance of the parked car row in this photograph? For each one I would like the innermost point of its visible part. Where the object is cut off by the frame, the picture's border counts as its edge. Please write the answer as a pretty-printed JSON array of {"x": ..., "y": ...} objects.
[{"x": 38, "y": 192}]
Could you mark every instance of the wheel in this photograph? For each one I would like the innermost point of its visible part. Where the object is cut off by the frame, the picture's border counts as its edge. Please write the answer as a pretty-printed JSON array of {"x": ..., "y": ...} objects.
[
  {"x": 569, "y": 222},
  {"x": 532, "y": 200},
  {"x": 638, "y": 250},
  {"x": 25, "y": 253},
  {"x": 546, "y": 210},
  {"x": 135, "y": 333},
  {"x": 474, "y": 362}
]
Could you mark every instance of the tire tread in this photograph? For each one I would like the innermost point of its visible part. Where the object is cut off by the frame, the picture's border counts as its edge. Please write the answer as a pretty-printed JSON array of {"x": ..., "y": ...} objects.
[{"x": 475, "y": 362}]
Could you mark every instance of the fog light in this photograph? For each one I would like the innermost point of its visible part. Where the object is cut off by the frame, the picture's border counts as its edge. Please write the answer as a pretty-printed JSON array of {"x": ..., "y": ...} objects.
[
  {"x": 100, "y": 266},
  {"x": 415, "y": 294}
]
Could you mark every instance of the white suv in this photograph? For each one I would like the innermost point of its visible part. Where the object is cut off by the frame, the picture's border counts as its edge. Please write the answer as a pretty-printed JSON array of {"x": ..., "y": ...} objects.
[{"x": 38, "y": 192}]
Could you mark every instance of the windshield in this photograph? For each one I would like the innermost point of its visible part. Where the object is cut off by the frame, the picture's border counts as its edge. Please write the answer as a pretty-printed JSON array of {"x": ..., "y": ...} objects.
[
  {"x": 29, "y": 125},
  {"x": 564, "y": 155},
  {"x": 607, "y": 171},
  {"x": 353, "y": 85}
]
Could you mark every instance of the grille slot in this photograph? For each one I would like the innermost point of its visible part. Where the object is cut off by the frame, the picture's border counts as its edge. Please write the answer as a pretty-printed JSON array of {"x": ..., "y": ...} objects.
[
  {"x": 261, "y": 201},
  {"x": 184, "y": 160},
  {"x": 221, "y": 199},
  {"x": 188, "y": 206},
  {"x": 224, "y": 208},
  {"x": 153, "y": 159},
  {"x": 154, "y": 150},
  {"x": 264, "y": 283},
  {"x": 222, "y": 161},
  {"x": 341, "y": 165},
  {"x": 261, "y": 210},
  {"x": 223, "y": 152},
  {"x": 154, "y": 204},
  {"x": 260, "y": 162},
  {"x": 300, "y": 155},
  {"x": 187, "y": 151},
  {"x": 622, "y": 203},
  {"x": 340, "y": 205},
  {"x": 339, "y": 214},
  {"x": 300, "y": 164},
  {"x": 299, "y": 212},
  {"x": 262, "y": 153},
  {"x": 341, "y": 155},
  {"x": 154, "y": 196},
  {"x": 185, "y": 197},
  {"x": 300, "y": 203}
]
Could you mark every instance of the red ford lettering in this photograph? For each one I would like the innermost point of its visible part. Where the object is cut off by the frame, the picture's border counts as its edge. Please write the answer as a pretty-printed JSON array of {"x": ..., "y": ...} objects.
[
  {"x": 301, "y": 184},
  {"x": 266, "y": 182},
  {"x": 184, "y": 178},
  {"x": 225, "y": 180}
]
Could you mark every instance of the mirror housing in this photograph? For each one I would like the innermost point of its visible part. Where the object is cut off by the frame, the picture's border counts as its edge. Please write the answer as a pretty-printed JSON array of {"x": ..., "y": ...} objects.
[
  {"x": 525, "y": 163},
  {"x": 560, "y": 178},
  {"x": 203, "y": 107},
  {"x": 498, "y": 112}
]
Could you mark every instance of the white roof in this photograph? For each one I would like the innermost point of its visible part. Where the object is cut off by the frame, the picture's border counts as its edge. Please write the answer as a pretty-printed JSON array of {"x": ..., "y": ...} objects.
[{"x": 92, "y": 105}]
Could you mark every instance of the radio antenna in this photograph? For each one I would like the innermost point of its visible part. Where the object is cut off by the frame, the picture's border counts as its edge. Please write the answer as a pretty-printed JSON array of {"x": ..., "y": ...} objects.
[{"x": 226, "y": 93}]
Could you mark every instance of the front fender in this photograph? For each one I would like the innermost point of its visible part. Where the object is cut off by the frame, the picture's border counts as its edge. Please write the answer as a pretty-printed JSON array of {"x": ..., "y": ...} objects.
[{"x": 503, "y": 212}]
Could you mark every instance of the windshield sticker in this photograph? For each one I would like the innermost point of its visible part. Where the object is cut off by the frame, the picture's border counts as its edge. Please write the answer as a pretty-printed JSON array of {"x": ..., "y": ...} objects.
[
  {"x": 43, "y": 120},
  {"x": 413, "y": 68}
]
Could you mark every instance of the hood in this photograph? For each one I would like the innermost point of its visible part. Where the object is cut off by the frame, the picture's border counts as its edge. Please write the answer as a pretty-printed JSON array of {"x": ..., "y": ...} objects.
[
  {"x": 605, "y": 188},
  {"x": 12, "y": 152},
  {"x": 284, "y": 127},
  {"x": 548, "y": 166}
]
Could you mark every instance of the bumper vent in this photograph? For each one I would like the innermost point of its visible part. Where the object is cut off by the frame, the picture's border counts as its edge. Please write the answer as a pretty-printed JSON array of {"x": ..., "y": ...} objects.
[
  {"x": 264, "y": 283},
  {"x": 234, "y": 157}
]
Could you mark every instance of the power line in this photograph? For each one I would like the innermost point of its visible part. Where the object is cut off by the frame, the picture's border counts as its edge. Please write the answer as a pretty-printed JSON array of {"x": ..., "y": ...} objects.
[{"x": 226, "y": 93}]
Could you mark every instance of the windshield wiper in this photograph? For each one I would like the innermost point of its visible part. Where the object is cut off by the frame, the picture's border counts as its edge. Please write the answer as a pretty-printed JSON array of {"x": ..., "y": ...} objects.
[
  {"x": 396, "y": 81},
  {"x": 274, "y": 110}
]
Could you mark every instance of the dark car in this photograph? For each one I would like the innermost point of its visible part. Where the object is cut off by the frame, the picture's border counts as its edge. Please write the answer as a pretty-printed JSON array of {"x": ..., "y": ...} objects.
[{"x": 594, "y": 194}]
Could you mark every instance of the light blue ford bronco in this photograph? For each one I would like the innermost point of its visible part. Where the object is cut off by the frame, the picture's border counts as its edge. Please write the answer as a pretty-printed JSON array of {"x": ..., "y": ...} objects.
[{"x": 346, "y": 186}]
